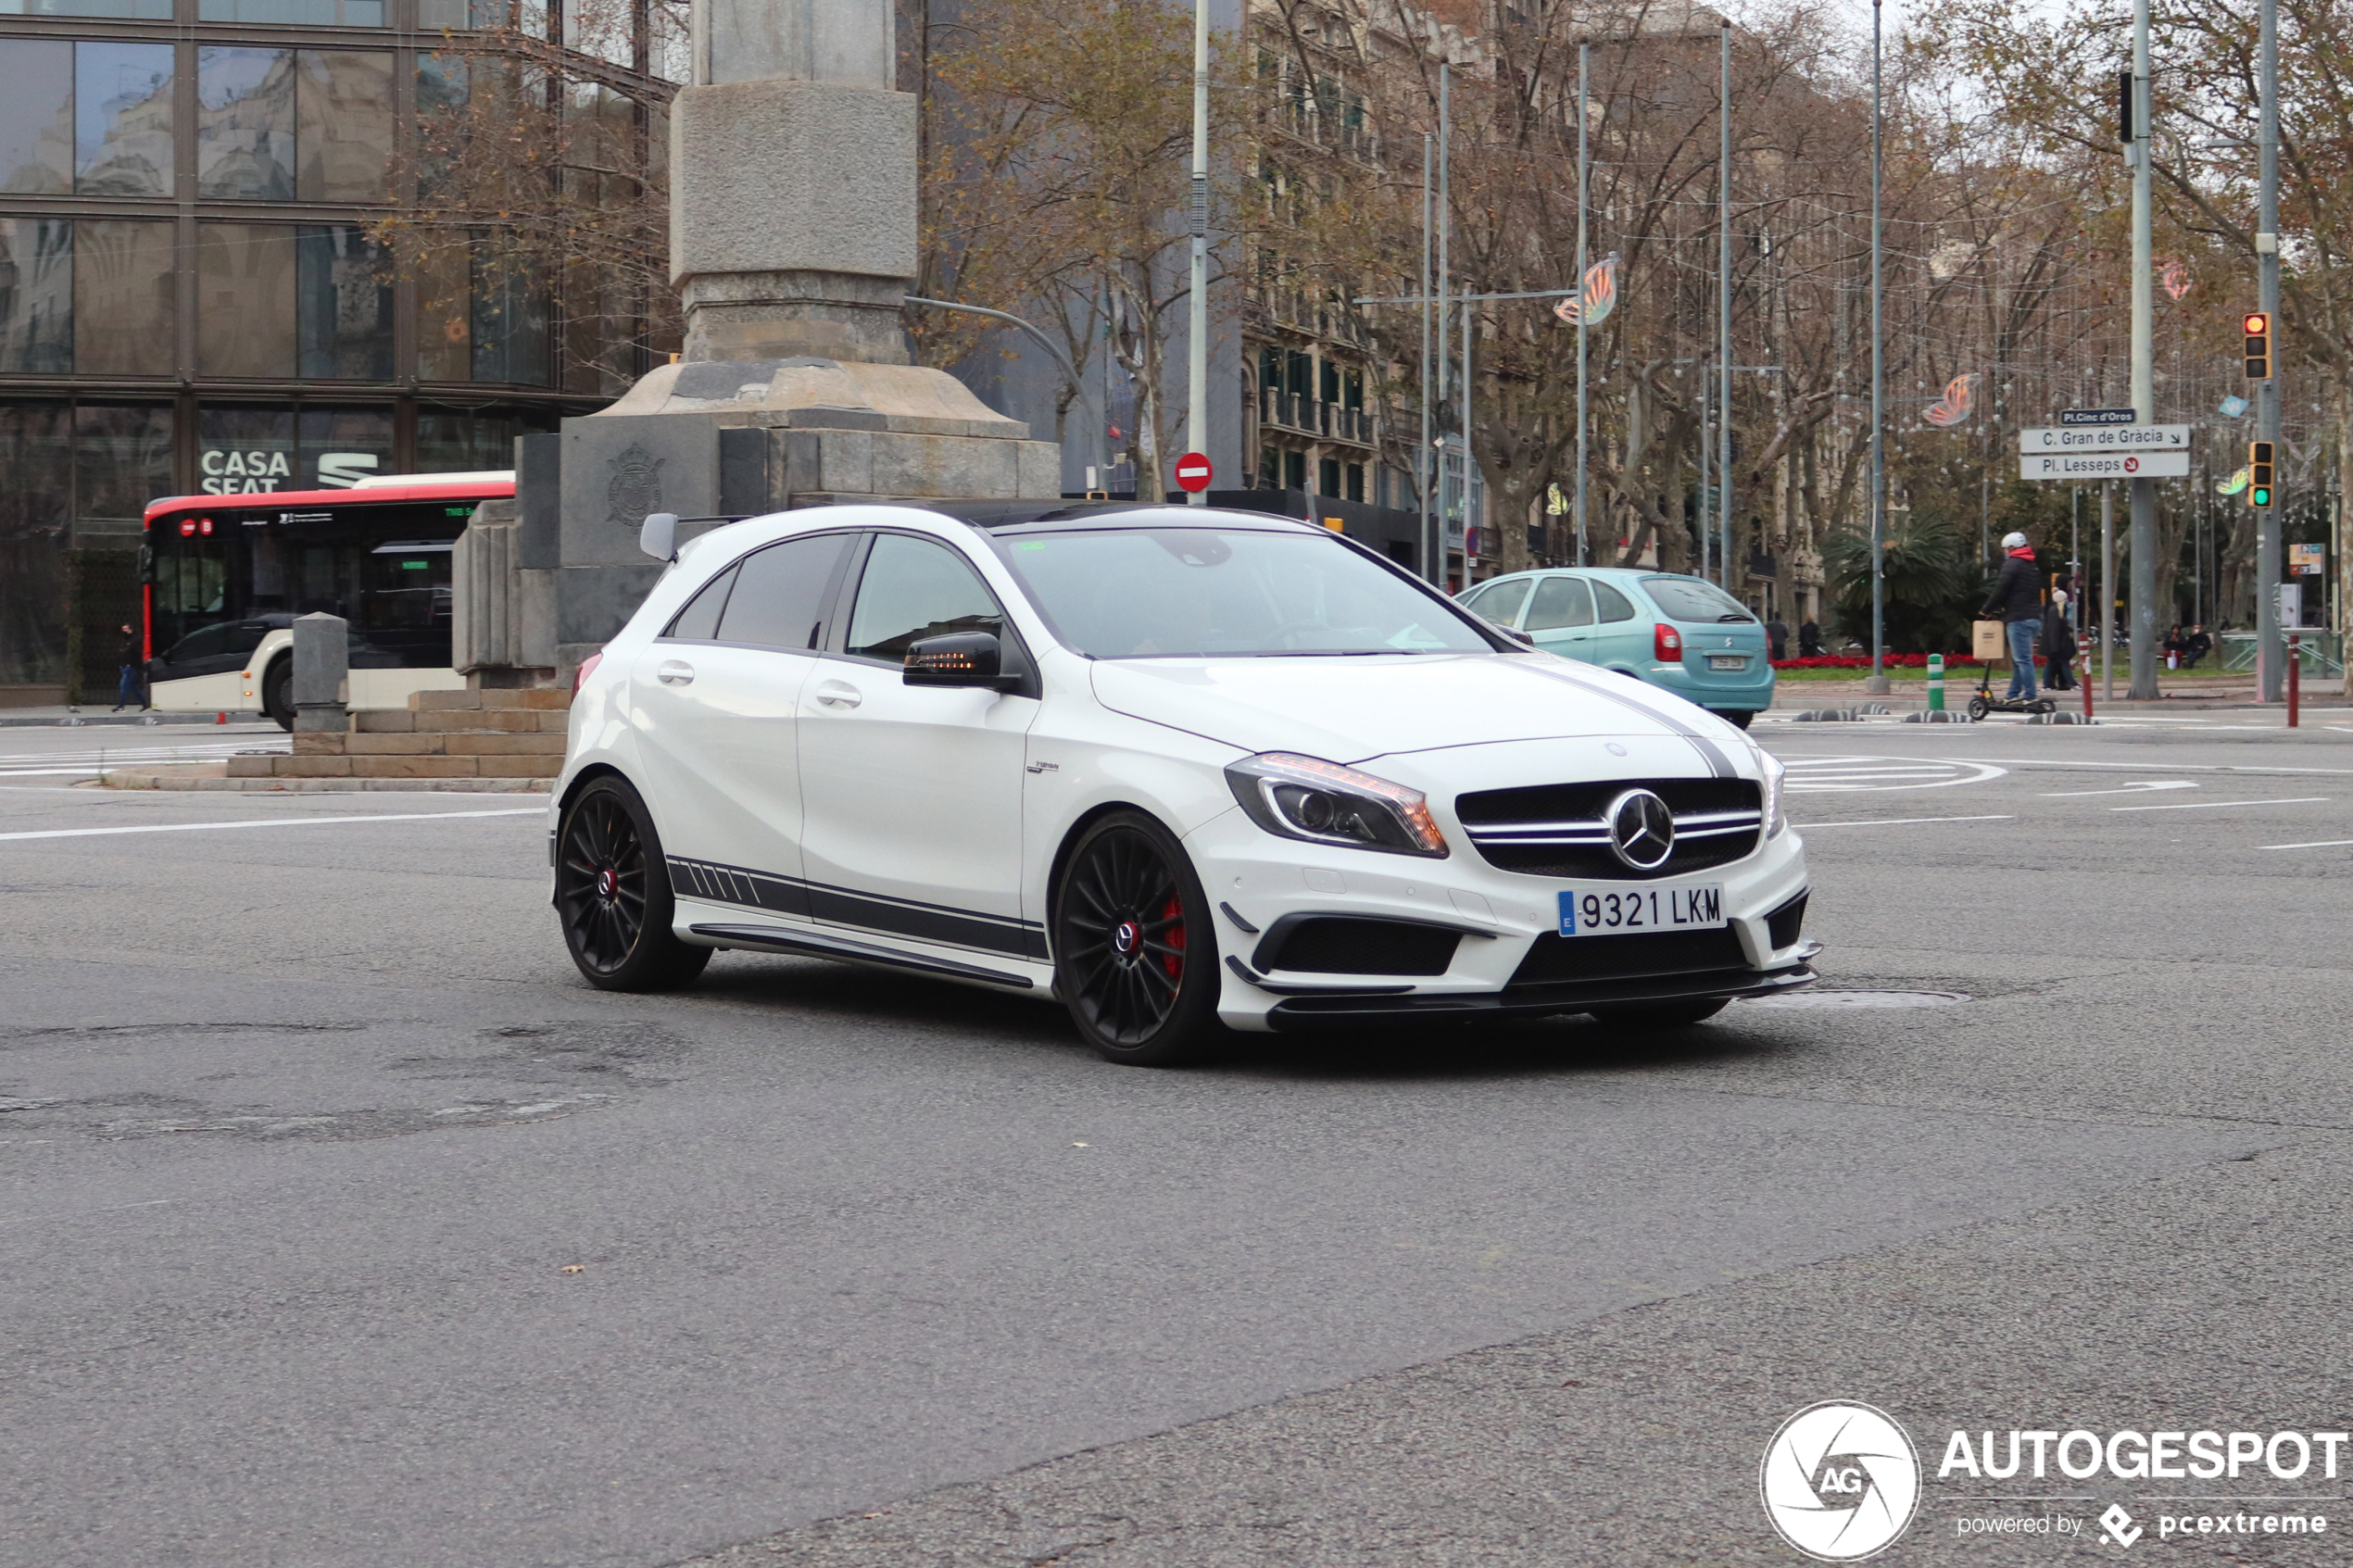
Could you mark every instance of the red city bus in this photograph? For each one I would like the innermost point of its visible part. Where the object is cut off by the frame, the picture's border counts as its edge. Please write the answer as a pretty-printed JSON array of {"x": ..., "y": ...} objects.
[{"x": 225, "y": 576}]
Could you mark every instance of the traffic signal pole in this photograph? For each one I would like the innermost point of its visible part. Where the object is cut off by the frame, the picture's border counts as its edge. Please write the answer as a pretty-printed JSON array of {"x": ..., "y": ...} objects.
[
  {"x": 1196, "y": 355},
  {"x": 2143, "y": 591},
  {"x": 2268, "y": 653}
]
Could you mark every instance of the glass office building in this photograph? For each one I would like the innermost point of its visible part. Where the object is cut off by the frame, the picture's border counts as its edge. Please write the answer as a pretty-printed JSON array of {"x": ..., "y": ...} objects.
[{"x": 191, "y": 301}]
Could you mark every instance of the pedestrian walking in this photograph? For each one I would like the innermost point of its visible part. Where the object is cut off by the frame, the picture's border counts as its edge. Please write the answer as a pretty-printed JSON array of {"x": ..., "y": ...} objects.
[
  {"x": 1777, "y": 636},
  {"x": 1809, "y": 640},
  {"x": 2058, "y": 648},
  {"x": 130, "y": 656},
  {"x": 2017, "y": 598}
]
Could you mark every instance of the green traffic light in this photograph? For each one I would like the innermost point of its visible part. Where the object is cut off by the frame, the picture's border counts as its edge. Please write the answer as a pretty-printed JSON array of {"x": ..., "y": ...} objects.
[{"x": 2260, "y": 497}]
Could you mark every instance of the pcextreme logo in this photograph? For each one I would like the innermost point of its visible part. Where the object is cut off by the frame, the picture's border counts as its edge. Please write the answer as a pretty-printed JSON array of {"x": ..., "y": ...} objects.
[{"x": 1841, "y": 1481}]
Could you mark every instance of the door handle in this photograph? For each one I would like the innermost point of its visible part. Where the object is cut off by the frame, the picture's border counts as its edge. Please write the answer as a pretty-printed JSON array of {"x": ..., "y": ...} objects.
[
  {"x": 675, "y": 672},
  {"x": 838, "y": 694}
]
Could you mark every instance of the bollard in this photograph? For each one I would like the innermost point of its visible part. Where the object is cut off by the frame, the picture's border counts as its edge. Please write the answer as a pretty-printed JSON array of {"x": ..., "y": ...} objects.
[
  {"x": 322, "y": 661},
  {"x": 1936, "y": 683},
  {"x": 2293, "y": 665}
]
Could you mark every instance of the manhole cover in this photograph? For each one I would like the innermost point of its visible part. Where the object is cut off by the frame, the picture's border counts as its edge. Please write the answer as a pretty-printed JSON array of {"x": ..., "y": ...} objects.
[{"x": 1817, "y": 999}]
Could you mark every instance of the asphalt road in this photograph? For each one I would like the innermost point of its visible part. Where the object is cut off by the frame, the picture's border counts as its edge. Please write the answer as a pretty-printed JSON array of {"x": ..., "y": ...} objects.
[{"x": 340, "y": 1224}]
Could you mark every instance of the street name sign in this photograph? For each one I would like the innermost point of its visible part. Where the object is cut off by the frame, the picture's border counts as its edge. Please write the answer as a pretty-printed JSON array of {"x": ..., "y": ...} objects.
[
  {"x": 2104, "y": 465},
  {"x": 2099, "y": 417},
  {"x": 2105, "y": 438}
]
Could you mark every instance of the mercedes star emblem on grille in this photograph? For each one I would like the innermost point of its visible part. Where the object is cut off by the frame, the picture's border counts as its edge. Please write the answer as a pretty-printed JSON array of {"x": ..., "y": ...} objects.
[{"x": 1641, "y": 829}]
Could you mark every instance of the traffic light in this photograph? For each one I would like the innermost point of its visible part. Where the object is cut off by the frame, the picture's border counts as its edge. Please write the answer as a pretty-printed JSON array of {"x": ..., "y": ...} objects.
[
  {"x": 2258, "y": 473},
  {"x": 2259, "y": 345}
]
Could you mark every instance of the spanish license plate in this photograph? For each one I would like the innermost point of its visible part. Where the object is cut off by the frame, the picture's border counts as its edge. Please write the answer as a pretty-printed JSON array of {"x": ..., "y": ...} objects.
[
  {"x": 1726, "y": 661},
  {"x": 1641, "y": 908}
]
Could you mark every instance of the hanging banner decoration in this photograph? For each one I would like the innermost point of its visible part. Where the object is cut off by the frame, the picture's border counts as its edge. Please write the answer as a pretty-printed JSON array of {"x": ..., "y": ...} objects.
[
  {"x": 2232, "y": 486},
  {"x": 1960, "y": 396},
  {"x": 2234, "y": 406},
  {"x": 2176, "y": 279},
  {"x": 1600, "y": 298}
]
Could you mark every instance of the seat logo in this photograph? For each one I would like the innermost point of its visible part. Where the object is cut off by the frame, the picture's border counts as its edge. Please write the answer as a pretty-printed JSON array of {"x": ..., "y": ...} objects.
[
  {"x": 1641, "y": 829},
  {"x": 1841, "y": 1481}
]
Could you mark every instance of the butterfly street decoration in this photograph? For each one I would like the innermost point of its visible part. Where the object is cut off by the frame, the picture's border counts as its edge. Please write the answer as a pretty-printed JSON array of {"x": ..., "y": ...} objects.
[
  {"x": 2232, "y": 486},
  {"x": 2176, "y": 278},
  {"x": 1599, "y": 298},
  {"x": 1960, "y": 396}
]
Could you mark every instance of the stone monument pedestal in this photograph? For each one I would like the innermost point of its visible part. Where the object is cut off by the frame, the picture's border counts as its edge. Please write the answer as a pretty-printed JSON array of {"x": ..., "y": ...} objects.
[{"x": 793, "y": 241}]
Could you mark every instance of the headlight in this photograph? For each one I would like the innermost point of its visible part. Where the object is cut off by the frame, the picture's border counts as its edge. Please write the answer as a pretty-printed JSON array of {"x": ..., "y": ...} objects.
[
  {"x": 1324, "y": 803},
  {"x": 1771, "y": 767}
]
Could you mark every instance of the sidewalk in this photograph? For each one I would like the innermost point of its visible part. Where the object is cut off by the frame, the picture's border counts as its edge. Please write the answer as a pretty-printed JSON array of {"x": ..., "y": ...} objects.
[
  {"x": 68, "y": 719},
  {"x": 2196, "y": 693}
]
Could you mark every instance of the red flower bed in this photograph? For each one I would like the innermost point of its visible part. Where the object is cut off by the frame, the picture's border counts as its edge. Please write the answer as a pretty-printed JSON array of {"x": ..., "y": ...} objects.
[{"x": 1894, "y": 661}]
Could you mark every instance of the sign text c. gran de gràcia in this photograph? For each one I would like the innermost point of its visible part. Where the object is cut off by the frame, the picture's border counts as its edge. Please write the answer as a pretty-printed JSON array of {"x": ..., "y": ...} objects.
[{"x": 2104, "y": 438}]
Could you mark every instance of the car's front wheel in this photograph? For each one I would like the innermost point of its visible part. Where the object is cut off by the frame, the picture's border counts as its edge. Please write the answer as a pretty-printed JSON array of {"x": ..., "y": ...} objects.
[
  {"x": 1134, "y": 957},
  {"x": 613, "y": 897},
  {"x": 1739, "y": 718}
]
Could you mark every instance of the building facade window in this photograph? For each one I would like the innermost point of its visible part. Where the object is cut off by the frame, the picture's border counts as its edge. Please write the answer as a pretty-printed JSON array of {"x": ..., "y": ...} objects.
[
  {"x": 126, "y": 301},
  {"x": 88, "y": 118},
  {"x": 293, "y": 13},
  {"x": 36, "y": 296}
]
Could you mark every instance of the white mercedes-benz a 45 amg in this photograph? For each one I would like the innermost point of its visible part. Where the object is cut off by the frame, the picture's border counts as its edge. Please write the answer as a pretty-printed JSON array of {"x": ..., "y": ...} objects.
[{"x": 1181, "y": 769}]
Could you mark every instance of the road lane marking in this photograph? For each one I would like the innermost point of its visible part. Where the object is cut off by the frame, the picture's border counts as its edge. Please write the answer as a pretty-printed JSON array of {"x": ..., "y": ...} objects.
[
  {"x": 2212, "y": 805},
  {"x": 277, "y": 823},
  {"x": 1847, "y": 775},
  {"x": 2140, "y": 786},
  {"x": 2317, "y": 844},
  {"x": 1901, "y": 822}
]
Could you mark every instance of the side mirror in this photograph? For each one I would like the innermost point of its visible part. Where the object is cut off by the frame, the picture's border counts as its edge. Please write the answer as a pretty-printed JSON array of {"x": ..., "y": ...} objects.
[
  {"x": 961, "y": 658},
  {"x": 658, "y": 535}
]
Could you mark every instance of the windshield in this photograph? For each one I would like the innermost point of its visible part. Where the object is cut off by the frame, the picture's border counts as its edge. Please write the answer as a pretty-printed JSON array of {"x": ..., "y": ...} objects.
[
  {"x": 1689, "y": 598},
  {"x": 1199, "y": 592}
]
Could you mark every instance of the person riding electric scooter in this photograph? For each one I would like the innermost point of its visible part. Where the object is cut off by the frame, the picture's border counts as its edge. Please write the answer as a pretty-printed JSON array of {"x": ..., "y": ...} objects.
[{"x": 2017, "y": 597}]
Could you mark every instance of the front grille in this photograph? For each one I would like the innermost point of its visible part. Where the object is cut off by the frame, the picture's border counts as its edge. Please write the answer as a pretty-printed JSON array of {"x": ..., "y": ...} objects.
[
  {"x": 1558, "y": 831},
  {"x": 1334, "y": 944},
  {"x": 1787, "y": 922},
  {"x": 1553, "y": 960}
]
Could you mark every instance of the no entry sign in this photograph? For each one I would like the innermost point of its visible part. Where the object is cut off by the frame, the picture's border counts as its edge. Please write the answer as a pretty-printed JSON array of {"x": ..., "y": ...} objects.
[{"x": 1192, "y": 472}]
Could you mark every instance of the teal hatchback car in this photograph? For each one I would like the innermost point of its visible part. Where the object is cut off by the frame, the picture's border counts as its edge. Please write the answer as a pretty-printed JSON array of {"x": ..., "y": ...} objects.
[{"x": 1683, "y": 635}]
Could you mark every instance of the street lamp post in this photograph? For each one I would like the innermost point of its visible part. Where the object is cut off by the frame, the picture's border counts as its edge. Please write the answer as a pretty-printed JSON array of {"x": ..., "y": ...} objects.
[
  {"x": 1877, "y": 685},
  {"x": 1724, "y": 315},
  {"x": 2270, "y": 653},
  {"x": 1584, "y": 173},
  {"x": 1197, "y": 381},
  {"x": 2142, "y": 588}
]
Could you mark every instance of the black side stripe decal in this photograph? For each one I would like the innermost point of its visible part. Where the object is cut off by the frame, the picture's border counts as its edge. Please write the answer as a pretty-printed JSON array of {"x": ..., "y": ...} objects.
[
  {"x": 1720, "y": 764},
  {"x": 929, "y": 923}
]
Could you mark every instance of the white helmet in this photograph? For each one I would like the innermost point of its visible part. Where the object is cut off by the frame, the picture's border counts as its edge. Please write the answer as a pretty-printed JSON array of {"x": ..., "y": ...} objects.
[{"x": 2013, "y": 541}]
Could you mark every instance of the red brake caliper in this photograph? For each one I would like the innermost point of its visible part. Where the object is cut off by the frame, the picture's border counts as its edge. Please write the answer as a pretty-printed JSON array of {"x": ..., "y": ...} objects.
[{"x": 1175, "y": 962}]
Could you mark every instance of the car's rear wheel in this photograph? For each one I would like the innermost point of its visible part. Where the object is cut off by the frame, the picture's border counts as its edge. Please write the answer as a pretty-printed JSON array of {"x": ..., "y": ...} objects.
[
  {"x": 1134, "y": 957},
  {"x": 1739, "y": 718},
  {"x": 1660, "y": 1015},
  {"x": 613, "y": 894}
]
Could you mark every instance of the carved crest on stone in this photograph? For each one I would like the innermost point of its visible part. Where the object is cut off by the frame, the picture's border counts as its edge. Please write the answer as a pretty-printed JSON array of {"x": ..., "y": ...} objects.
[{"x": 636, "y": 487}]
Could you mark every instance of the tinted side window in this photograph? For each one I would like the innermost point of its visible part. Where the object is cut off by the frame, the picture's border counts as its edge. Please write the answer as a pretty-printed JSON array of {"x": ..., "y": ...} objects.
[
  {"x": 699, "y": 621},
  {"x": 1501, "y": 603},
  {"x": 912, "y": 589},
  {"x": 779, "y": 598},
  {"x": 1615, "y": 605},
  {"x": 1560, "y": 601}
]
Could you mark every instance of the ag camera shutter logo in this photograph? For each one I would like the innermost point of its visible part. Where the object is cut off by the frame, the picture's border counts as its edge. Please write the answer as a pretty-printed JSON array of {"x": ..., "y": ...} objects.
[{"x": 1841, "y": 1481}]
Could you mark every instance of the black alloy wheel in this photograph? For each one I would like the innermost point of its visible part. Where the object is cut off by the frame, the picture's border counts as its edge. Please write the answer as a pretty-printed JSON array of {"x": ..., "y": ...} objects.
[
  {"x": 613, "y": 897},
  {"x": 1135, "y": 958},
  {"x": 277, "y": 690},
  {"x": 1660, "y": 1015},
  {"x": 1739, "y": 718}
]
